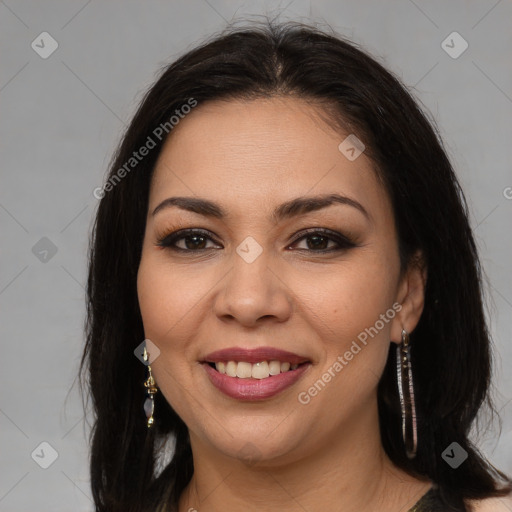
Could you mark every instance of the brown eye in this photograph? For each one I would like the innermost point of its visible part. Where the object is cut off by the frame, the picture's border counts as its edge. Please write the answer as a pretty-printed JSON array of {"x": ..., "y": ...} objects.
[
  {"x": 194, "y": 240},
  {"x": 317, "y": 240}
]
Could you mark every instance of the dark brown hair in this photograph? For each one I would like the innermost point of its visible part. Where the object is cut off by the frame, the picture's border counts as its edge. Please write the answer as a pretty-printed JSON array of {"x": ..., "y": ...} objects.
[{"x": 451, "y": 343}]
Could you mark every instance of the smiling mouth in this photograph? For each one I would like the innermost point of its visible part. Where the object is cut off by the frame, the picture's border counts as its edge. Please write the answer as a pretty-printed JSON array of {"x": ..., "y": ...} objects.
[{"x": 260, "y": 370}]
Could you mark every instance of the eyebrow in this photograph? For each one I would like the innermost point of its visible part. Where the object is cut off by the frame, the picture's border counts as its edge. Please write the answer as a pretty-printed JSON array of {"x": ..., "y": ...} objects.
[{"x": 286, "y": 210}]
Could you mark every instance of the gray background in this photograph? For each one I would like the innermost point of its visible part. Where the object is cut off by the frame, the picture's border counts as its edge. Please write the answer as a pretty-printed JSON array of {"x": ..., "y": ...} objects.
[{"x": 62, "y": 116}]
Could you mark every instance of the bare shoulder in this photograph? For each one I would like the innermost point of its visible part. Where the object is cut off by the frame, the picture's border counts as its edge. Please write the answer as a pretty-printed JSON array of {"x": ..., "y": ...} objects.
[{"x": 492, "y": 504}]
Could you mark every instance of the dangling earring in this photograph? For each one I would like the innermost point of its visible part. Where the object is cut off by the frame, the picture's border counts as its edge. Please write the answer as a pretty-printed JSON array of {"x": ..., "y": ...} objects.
[
  {"x": 149, "y": 404},
  {"x": 406, "y": 392}
]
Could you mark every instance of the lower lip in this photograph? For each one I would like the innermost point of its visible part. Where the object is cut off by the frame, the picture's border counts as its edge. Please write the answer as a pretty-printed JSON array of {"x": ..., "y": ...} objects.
[{"x": 254, "y": 389}]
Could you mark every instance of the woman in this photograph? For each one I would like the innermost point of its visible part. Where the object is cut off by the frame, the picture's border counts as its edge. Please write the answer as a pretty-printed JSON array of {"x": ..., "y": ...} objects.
[{"x": 284, "y": 245}]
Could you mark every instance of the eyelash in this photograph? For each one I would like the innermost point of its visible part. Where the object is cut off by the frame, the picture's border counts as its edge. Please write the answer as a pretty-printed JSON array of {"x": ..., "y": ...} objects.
[{"x": 167, "y": 241}]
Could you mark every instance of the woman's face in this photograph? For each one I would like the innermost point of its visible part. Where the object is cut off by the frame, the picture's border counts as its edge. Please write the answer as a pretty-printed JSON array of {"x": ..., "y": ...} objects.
[{"x": 256, "y": 286}]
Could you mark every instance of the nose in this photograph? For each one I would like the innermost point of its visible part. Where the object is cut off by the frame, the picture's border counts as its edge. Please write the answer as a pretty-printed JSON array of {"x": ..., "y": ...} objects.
[{"x": 252, "y": 292}]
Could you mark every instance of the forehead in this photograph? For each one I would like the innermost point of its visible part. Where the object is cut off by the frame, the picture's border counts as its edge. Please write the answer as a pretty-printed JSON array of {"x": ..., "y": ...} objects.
[{"x": 264, "y": 151}]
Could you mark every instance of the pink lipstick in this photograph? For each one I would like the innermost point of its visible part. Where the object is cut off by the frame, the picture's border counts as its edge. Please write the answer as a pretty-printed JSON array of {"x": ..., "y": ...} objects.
[{"x": 255, "y": 374}]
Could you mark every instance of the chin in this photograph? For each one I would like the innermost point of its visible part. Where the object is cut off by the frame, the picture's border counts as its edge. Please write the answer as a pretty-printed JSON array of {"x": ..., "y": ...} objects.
[{"x": 255, "y": 447}]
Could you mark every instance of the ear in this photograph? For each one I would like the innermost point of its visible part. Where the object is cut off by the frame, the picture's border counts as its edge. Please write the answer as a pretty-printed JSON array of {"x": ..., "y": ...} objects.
[{"x": 411, "y": 296}]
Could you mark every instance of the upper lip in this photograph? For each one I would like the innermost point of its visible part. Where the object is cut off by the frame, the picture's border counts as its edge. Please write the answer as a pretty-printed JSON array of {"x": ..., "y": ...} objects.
[{"x": 254, "y": 355}]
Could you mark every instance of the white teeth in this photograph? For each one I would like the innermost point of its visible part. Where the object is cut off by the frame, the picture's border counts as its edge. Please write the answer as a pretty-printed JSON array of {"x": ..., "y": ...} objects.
[
  {"x": 231, "y": 369},
  {"x": 274, "y": 367},
  {"x": 261, "y": 370},
  {"x": 244, "y": 370}
]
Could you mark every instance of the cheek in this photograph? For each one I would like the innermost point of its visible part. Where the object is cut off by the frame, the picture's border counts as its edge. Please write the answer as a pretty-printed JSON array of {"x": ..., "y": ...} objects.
[
  {"x": 165, "y": 309},
  {"x": 172, "y": 305},
  {"x": 347, "y": 300},
  {"x": 153, "y": 299},
  {"x": 352, "y": 310},
  {"x": 167, "y": 297}
]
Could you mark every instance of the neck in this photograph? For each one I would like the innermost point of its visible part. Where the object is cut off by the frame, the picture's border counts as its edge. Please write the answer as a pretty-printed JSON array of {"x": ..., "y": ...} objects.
[{"x": 351, "y": 472}]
